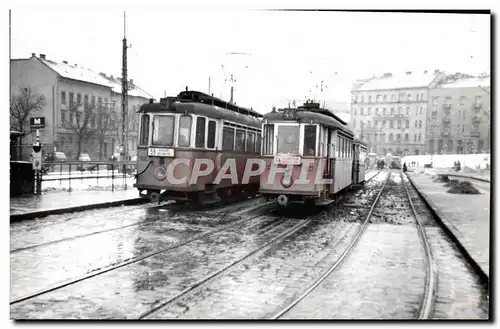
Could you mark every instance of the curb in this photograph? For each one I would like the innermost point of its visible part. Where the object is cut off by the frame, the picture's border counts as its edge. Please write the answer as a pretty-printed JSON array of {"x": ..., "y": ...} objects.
[
  {"x": 451, "y": 232},
  {"x": 466, "y": 176},
  {"x": 44, "y": 213}
]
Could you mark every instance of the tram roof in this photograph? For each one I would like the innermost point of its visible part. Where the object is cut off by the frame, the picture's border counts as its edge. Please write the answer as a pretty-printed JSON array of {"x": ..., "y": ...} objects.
[
  {"x": 176, "y": 105},
  {"x": 359, "y": 141},
  {"x": 309, "y": 114}
]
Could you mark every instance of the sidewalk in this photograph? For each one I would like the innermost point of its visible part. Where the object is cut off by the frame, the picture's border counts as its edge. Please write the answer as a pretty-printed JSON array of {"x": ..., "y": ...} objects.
[
  {"x": 28, "y": 207},
  {"x": 466, "y": 216}
]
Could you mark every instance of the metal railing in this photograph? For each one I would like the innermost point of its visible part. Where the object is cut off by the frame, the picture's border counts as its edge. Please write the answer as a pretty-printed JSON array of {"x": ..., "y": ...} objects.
[{"x": 68, "y": 174}]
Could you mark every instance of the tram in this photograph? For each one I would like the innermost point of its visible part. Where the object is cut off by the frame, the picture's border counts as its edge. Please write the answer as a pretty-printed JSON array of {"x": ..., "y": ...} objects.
[
  {"x": 191, "y": 129},
  {"x": 309, "y": 155}
]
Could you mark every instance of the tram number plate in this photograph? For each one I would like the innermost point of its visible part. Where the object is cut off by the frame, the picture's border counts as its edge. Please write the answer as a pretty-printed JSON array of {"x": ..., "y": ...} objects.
[
  {"x": 160, "y": 152},
  {"x": 287, "y": 159}
]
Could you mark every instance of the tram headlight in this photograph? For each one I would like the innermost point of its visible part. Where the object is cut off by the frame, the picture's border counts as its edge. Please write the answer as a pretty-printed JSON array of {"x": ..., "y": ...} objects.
[{"x": 160, "y": 173}]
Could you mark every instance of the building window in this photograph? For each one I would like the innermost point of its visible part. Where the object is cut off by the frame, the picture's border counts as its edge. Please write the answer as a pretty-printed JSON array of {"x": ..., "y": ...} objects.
[
  {"x": 355, "y": 112},
  {"x": 407, "y": 123},
  {"x": 399, "y": 123},
  {"x": 78, "y": 99},
  {"x": 250, "y": 141},
  {"x": 417, "y": 97},
  {"x": 385, "y": 98},
  {"x": 63, "y": 117},
  {"x": 419, "y": 137},
  {"x": 369, "y": 98},
  {"x": 407, "y": 137},
  {"x": 409, "y": 97},
  {"x": 434, "y": 100},
  {"x": 71, "y": 99},
  {"x": 420, "y": 123},
  {"x": 415, "y": 139},
  {"x": 478, "y": 99},
  {"x": 71, "y": 118},
  {"x": 376, "y": 111},
  {"x": 434, "y": 116},
  {"x": 390, "y": 137},
  {"x": 86, "y": 101},
  {"x": 392, "y": 110},
  {"x": 422, "y": 96},
  {"x": 63, "y": 97},
  {"x": 384, "y": 111},
  {"x": 92, "y": 101},
  {"x": 416, "y": 123},
  {"x": 383, "y": 124},
  {"x": 369, "y": 111},
  {"x": 462, "y": 100},
  {"x": 398, "y": 137},
  {"x": 421, "y": 109},
  {"x": 391, "y": 124}
]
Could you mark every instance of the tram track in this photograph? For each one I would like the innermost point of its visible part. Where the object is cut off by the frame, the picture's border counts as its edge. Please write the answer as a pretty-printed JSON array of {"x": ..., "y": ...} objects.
[
  {"x": 172, "y": 207},
  {"x": 318, "y": 281},
  {"x": 139, "y": 258}
]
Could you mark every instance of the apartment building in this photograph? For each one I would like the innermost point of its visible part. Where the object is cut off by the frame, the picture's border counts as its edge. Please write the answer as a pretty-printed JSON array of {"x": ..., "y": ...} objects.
[
  {"x": 389, "y": 112},
  {"x": 459, "y": 118},
  {"x": 62, "y": 86}
]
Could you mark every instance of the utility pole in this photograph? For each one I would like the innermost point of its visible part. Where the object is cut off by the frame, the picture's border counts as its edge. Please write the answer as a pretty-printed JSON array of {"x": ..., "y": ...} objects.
[
  {"x": 124, "y": 89},
  {"x": 209, "y": 85}
]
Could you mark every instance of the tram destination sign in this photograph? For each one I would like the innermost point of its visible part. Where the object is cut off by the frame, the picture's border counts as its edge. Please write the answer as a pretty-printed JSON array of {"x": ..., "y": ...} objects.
[
  {"x": 160, "y": 152},
  {"x": 37, "y": 122},
  {"x": 285, "y": 159}
]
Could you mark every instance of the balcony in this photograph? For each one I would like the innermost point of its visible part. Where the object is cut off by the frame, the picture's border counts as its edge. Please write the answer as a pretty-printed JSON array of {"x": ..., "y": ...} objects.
[
  {"x": 476, "y": 119},
  {"x": 447, "y": 106},
  {"x": 475, "y": 134},
  {"x": 477, "y": 106},
  {"x": 446, "y": 119}
]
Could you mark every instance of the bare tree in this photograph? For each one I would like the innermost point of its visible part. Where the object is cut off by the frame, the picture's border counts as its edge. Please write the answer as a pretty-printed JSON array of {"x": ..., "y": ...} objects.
[
  {"x": 22, "y": 104},
  {"x": 80, "y": 122},
  {"x": 104, "y": 124}
]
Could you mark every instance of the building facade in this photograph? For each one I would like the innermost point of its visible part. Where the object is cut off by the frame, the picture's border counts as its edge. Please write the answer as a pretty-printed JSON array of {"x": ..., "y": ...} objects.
[
  {"x": 81, "y": 107},
  {"x": 389, "y": 112},
  {"x": 459, "y": 116}
]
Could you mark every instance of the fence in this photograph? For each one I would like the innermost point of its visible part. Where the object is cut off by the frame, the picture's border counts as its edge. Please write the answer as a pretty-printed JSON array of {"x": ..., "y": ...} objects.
[{"x": 73, "y": 175}]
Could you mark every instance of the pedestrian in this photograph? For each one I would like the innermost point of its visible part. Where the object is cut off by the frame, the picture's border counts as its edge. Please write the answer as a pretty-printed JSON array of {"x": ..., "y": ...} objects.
[
  {"x": 458, "y": 166},
  {"x": 405, "y": 169}
]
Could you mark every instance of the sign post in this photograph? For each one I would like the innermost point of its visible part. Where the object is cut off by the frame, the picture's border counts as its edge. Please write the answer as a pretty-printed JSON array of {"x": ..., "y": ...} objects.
[{"x": 37, "y": 123}]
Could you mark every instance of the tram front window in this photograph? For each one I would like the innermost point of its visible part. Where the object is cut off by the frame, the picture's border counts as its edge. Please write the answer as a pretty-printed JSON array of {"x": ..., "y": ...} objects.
[{"x": 288, "y": 139}]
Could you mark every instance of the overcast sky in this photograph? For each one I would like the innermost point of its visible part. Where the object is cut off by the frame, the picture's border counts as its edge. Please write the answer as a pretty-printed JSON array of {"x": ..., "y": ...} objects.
[{"x": 286, "y": 53}]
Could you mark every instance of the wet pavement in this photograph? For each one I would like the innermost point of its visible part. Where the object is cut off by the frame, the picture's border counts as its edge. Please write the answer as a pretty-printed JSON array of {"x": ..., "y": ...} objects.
[
  {"x": 467, "y": 216},
  {"x": 21, "y": 205},
  {"x": 239, "y": 261},
  {"x": 124, "y": 235},
  {"x": 460, "y": 293}
]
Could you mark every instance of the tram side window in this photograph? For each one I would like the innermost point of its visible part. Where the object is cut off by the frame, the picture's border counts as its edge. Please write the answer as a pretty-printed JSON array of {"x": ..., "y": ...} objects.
[
  {"x": 250, "y": 141},
  {"x": 240, "y": 140},
  {"x": 268, "y": 139},
  {"x": 211, "y": 134},
  {"x": 184, "y": 131},
  {"x": 309, "y": 140},
  {"x": 257, "y": 143},
  {"x": 337, "y": 148},
  {"x": 163, "y": 130},
  {"x": 227, "y": 139},
  {"x": 200, "y": 132},
  {"x": 144, "y": 130}
]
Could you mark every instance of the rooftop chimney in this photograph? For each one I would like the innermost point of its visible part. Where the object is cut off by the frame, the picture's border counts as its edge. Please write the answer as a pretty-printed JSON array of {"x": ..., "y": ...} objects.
[
  {"x": 33, "y": 55},
  {"x": 65, "y": 62},
  {"x": 408, "y": 73},
  {"x": 42, "y": 56}
]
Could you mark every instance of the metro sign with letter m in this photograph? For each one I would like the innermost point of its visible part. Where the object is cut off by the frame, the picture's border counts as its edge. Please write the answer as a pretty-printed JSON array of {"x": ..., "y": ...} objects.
[{"x": 37, "y": 122}]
